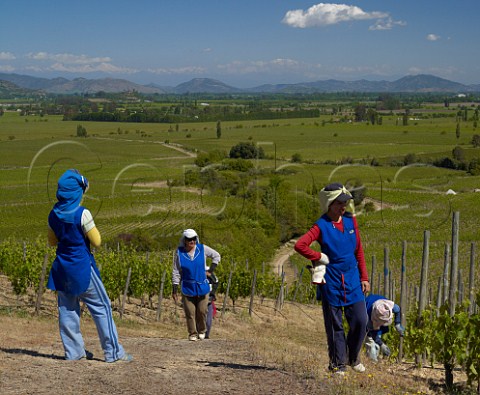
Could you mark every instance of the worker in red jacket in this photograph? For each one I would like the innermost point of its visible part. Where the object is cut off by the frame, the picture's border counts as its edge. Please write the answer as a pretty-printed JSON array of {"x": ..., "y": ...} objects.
[{"x": 340, "y": 271}]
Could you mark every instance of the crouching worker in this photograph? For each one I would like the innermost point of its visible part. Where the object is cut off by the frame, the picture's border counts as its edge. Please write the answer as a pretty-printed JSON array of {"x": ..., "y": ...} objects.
[
  {"x": 212, "y": 309},
  {"x": 381, "y": 314}
]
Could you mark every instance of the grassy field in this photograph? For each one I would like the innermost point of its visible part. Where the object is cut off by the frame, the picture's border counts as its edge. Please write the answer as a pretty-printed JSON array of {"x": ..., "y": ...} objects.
[
  {"x": 138, "y": 171},
  {"x": 132, "y": 168}
]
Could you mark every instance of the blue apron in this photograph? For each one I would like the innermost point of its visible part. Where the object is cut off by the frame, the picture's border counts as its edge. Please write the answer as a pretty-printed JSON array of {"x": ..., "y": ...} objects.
[
  {"x": 194, "y": 279},
  {"x": 71, "y": 268},
  {"x": 342, "y": 277}
]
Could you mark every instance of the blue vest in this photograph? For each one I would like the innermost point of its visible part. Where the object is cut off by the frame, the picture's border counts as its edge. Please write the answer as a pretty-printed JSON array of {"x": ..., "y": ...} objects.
[
  {"x": 71, "y": 269},
  {"x": 194, "y": 279},
  {"x": 343, "y": 286}
]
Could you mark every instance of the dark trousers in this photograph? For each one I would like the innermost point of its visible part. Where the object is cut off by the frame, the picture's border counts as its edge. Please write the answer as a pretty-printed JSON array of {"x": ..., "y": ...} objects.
[{"x": 344, "y": 350}]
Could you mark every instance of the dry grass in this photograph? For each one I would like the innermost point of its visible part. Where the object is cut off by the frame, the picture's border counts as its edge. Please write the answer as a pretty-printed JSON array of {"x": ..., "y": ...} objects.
[{"x": 292, "y": 340}]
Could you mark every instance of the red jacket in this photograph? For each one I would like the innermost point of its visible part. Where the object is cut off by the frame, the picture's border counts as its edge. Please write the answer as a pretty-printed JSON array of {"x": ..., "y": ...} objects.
[{"x": 302, "y": 246}]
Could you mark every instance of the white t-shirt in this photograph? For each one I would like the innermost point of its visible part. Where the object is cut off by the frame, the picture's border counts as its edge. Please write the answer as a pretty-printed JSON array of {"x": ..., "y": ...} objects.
[{"x": 87, "y": 221}]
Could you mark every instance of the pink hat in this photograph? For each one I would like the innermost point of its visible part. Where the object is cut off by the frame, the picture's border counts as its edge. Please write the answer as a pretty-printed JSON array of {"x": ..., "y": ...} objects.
[{"x": 382, "y": 313}]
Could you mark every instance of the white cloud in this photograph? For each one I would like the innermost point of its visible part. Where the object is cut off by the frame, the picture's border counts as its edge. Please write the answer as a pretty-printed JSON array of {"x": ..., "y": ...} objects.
[
  {"x": 6, "y": 68},
  {"x": 67, "y": 58},
  {"x": 448, "y": 72},
  {"x": 179, "y": 70},
  {"x": 35, "y": 69},
  {"x": 71, "y": 63},
  {"x": 414, "y": 70},
  {"x": 266, "y": 66},
  {"x": 7, "y": 56},
  {"x": 89, "y": 68},
  {"x": 433, "y": 37},
  {"x": 386, "y": 24},
  {"x": 302, "y": 71},
  {"x": 324, "y": 14}
]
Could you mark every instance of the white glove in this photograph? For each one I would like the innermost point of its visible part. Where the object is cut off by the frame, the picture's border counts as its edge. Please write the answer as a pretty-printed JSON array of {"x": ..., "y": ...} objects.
[
  {"x": 400, "y": 329},
  {"x": 372, "y": 349},
  {"x": 318, "y": 275},
  {"x": 385, "y": 350},
  {"x": 324, "y": 259}
]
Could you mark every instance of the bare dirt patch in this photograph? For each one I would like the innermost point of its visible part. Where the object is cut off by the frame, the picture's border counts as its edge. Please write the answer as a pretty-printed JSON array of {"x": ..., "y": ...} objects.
[
  {"x": 270, "y": 352},
  {"x": 165, "y": 362},
  {"x": 31, "y": 362}
]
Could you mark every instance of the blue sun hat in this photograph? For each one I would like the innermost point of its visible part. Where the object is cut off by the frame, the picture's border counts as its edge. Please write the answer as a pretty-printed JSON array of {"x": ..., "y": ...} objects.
[{"x": 71, "y": 187}]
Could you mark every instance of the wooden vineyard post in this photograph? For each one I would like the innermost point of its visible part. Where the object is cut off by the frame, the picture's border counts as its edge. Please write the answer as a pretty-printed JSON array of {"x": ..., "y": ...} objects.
[
  {"x": 452, "y": 295},
  {"x": 386, "y": 273},
  {"x": 372, "y": 274},
  {"x": 379, "y": 281},
  {"x": 439, "y": 296},
  {"x": 460, "y": 286},
  {"x": 226, "y": 292},
  {"x": 279, "y": 304},
  {"x": 403, "y": 296},
  {"x": 298, "y": 284},
  {"x": 445, "y": 272},
  {"x": 393, "y": 287},
  {"x": 423, "y": 286},
  {"x": 424, "y": 274},
  {"x": 160, "y": 296},
  {"x": 38, "y": 303},
  {"x": 127, "y": 284},
  {"x": 471, "y": 281},
  {"x": 252, "y": 292},
  {"x": 142, "y": 299}
]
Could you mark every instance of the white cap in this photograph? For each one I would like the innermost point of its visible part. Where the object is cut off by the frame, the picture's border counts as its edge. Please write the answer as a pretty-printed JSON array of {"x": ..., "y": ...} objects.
[
  {"x": 189, "y": 233},
  {"x": 382, "y": 313}
]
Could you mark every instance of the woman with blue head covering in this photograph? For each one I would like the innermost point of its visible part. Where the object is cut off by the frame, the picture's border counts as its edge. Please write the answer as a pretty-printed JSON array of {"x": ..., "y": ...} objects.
[{"x": 74, "y": 274}]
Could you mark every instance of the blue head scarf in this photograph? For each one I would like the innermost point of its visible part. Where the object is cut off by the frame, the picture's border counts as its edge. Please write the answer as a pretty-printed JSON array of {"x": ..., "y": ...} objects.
[{"x": 71, "y": 187}]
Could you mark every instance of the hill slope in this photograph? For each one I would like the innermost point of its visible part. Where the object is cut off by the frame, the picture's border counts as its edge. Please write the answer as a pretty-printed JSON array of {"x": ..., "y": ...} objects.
[
  {"x": 271, "y": 352},
  {"x": 417, "y": 83}
]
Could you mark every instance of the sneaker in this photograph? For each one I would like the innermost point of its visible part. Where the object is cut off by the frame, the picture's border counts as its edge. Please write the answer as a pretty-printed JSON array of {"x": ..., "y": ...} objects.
[
  {"x": 88, "y": 355},
  {"x": 126, "y": 358},
  {"x": 201, "y": 336},
  {"x": 341, "y": 371},
  {"x": 193, "y": 338},
  {"x": 359, "y": 368}
]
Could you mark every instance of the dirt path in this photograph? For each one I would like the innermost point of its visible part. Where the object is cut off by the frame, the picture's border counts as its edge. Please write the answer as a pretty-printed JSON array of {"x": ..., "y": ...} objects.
[
  {"x": 31, "y": 362},
  {"x": 280, "y": 260},
  {"x": 173, "y": 146}
]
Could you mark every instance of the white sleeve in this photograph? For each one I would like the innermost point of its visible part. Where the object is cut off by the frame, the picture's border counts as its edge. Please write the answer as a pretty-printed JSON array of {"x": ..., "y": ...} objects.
[
  {"x": 211, "y": 253},
  {"x": 176, "y": 270},
  {"x": 87, "y": 221}
]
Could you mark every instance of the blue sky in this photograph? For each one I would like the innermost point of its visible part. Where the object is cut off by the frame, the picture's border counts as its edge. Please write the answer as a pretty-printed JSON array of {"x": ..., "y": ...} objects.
[{"x": 243, "y": 43}]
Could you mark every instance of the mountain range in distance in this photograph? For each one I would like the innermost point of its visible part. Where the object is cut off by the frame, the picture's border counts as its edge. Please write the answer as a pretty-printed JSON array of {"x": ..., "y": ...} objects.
[{"x": 422, "y": 83}]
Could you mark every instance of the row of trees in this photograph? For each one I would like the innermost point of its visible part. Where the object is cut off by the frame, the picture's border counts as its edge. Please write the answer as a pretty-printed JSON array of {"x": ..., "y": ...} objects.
[{"x": 136, "y": 107}]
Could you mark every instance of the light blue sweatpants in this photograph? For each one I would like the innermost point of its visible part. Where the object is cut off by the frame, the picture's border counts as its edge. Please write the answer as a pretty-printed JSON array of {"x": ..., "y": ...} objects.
[{"x": 98, "y": 303}]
